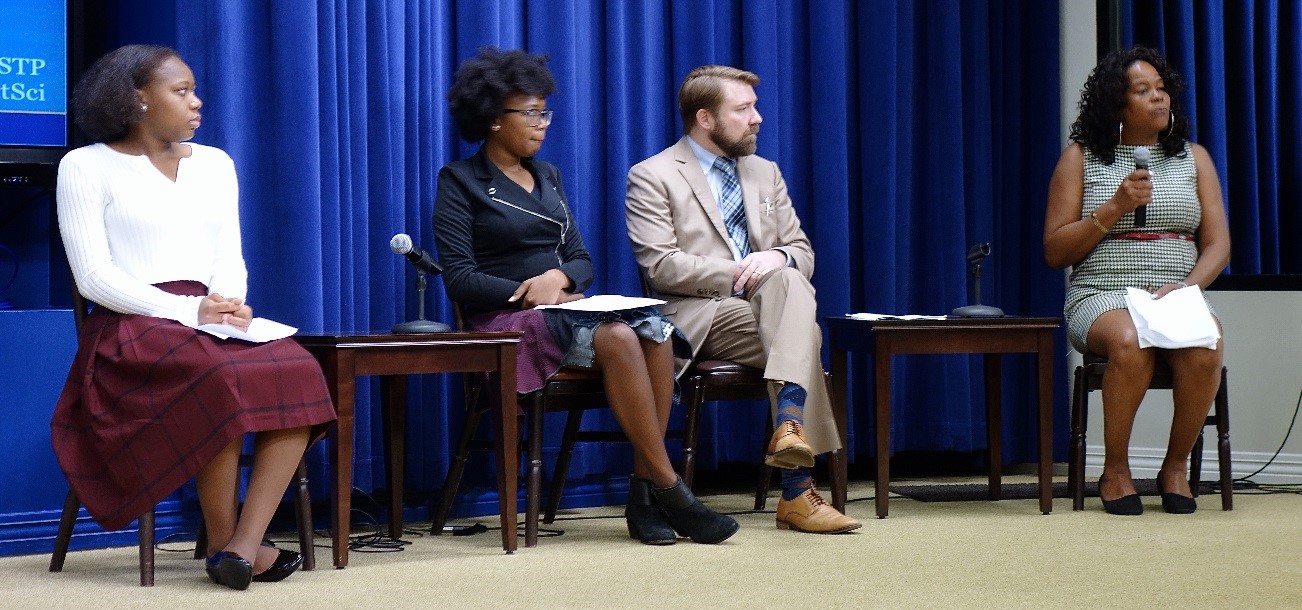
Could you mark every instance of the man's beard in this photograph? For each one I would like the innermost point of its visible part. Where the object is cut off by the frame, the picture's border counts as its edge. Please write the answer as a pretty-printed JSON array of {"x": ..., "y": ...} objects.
[{"x": 741, "y": 147}]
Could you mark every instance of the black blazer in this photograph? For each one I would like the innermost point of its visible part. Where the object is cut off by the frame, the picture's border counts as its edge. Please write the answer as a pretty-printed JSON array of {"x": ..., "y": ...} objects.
[{"x": 492, "y": 234}]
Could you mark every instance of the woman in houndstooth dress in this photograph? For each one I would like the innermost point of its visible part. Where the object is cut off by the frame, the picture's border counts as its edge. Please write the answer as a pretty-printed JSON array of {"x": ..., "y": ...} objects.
[{"x": 1131, "y": 100}]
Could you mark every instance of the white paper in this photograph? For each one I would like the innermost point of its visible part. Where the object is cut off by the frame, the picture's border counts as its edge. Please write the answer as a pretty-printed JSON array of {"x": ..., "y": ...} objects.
[
  {"x": 1178, "y": 320},
  {"x": 605, "y": 302},
  {"x": 883, "y": 316},
  {"x": 261, "y": 330}
]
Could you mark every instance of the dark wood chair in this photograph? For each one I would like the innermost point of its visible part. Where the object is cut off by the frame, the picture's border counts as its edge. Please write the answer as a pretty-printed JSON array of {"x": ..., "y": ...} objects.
[
  {"x": 715, "y": 380},
  {"x": 572, "y": 390},
  {"x": 72, "y": 505},
  {"x": 1089, "y": 377}
]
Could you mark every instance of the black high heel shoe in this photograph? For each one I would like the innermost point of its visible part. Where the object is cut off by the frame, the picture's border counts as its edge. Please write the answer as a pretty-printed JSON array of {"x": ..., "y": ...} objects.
[
  {"x": 1128, "y": 506},
  {"x": 230, "y": 570},
  {"x": 690, "y": 518},
  {"x": 1174, "y": 503}
]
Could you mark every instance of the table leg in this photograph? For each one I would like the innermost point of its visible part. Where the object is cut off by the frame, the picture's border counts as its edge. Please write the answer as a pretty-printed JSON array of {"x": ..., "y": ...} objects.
[
  {"x": 882, "y": 376},
  {"x": 507, "y": 446},
  {"x": 994, "y": 424},
  {"x": 393, "y": 406},
  {"x": 1045, "y": 357},
  {"x": 837, "y": 464},
  {"x": 343, "y": 385}
]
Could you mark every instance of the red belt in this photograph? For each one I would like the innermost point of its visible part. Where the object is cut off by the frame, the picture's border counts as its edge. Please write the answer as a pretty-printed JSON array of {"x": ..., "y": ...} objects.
[{"x": 1152, "y": 235}]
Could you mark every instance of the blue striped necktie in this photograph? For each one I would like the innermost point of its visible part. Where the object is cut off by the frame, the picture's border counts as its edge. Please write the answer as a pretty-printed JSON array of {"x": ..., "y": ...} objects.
[{"x": 734, "y": 215}]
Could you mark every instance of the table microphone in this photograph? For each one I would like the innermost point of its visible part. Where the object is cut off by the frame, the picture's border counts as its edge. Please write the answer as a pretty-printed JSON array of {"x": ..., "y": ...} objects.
[
  {"x": 1141, "y": 162},
  {"x": 401, "y": 244},
  {"x": 424, "y": 263}
]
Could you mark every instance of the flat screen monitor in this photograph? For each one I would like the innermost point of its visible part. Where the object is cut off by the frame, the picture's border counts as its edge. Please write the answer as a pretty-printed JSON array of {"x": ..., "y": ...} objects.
[{"x": 34, "y": 61}]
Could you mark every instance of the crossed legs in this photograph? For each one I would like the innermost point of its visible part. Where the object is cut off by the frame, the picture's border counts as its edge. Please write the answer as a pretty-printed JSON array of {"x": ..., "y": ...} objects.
[
  {"x": 1195, "y": 377},
  {"x": 276, "y": 457}
]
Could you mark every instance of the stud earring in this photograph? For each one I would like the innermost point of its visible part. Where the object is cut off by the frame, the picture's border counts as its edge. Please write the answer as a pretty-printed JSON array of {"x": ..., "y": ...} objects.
[
  {"x": 144, "y": 107},
  {"x": 496, "y": 127}
]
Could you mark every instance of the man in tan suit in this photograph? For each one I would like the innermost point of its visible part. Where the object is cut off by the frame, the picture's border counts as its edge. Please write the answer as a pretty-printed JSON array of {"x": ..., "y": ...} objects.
[{"x": 717, "y": 237}]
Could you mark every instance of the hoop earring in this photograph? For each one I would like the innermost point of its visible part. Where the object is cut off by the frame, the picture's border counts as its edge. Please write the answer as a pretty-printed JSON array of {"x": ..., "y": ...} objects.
[
  {"x": 1119, "y": 128},
  {"x": 1171, "y": 128}
]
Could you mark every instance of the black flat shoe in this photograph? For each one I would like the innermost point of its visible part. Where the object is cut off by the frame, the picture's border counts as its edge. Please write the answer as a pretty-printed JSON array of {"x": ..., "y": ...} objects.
[
  {"x": 1174, "y": 503},
  {"x": 1128, "y": 506},
  {"x": 287, "y": 562},
  {"x": 645, "y": 521},
  {"x": 230, "y": 570}
]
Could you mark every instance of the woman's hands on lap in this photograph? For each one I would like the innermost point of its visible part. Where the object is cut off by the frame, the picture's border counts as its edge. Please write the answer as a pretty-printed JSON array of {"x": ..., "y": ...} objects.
[
  {"x": 216, "y": 309},
  {"x": 550, "y": 288}
]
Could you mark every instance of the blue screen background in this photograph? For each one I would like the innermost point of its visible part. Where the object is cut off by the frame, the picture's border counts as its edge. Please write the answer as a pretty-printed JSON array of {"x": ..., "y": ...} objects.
[{"x": 33, "y": 73}]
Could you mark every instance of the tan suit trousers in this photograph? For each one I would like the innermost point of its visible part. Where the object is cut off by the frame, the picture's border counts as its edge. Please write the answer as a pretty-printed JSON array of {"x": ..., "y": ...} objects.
[{"x": 774, "y": 327}]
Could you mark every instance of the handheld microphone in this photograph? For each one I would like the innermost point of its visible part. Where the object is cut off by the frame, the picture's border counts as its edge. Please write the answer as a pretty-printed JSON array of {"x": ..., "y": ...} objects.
[
  {"x": 1141, "y": 162},
  {"x": 401, "y": 244}
]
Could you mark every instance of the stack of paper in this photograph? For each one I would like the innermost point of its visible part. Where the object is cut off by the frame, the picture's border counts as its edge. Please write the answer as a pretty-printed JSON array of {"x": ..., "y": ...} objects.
[
  {"x": 605, "y": 302},
  {"x": 1178, "y": 320},
  {"x": 261, "y": 330}
]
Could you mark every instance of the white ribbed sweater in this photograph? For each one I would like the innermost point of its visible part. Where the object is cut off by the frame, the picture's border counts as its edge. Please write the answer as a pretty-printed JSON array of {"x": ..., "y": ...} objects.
[{"x": 126, "y": 226}]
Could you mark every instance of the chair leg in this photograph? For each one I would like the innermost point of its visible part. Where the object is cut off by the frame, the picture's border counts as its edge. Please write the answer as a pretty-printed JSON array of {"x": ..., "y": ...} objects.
[
  {"x": 1076, "y": 449},
  {"x": 765, "y": 473},
  {"x": 533, "y": 489},
  {"x": 1223, "y": 443},
  {"x": 562, "y": 467},
  {"x": 837, "y": 464},
  {"x": 458, "y": 465},
  {"x": 1196, "y": 464},
  {"x": 303, "y": 509},
  {"x": 66, "y": 521},
  {"x": 694, "y": 397},
  {"x": 147, "y": 548}
]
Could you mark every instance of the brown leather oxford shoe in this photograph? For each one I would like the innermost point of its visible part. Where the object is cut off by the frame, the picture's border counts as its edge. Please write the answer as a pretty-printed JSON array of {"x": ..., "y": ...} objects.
[
  {"x": 811, "y": 514},
  {"x": 788, "y": 449}
]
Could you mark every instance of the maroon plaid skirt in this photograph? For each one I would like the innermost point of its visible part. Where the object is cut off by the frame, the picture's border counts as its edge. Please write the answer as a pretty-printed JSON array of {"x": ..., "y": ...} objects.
[{"x": 150, "y": 401}]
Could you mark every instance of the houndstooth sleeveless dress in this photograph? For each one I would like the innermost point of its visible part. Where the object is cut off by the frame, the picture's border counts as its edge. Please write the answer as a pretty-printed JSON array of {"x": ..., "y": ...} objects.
[{"x": 1098, "y": 283}]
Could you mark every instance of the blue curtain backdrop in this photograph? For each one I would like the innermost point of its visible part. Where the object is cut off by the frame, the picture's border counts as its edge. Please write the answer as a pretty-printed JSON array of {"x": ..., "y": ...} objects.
[
  {"x": 906, "y": 131},
  {"x": 1241, "y": 61}
]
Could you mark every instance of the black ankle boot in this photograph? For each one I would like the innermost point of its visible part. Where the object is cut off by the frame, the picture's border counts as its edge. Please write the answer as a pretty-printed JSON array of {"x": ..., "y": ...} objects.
[
  {"x": 645, "y": 521},
  {"x": 690, "y": 518}
]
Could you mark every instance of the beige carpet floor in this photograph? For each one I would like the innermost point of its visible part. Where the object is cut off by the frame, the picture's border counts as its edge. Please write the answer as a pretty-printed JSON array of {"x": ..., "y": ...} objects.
[{"x": 933, "y": 555}]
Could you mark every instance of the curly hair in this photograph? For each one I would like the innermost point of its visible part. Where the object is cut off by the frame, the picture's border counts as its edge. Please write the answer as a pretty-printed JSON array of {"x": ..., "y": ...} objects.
[
  {"x": 482, "y": 84},
  {"x": 1104, "y": 98},
  {"x": 104, "y": 102}
]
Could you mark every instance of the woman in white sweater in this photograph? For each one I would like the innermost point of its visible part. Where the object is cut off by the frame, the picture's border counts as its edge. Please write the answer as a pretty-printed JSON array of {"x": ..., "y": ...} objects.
[{"x": 151, "y": 227}]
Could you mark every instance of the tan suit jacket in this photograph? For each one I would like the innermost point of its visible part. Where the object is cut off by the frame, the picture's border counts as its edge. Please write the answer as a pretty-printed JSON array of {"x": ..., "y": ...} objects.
[
  {"x": 680, "y": 240},
  {"x": 681, "y": 244}
]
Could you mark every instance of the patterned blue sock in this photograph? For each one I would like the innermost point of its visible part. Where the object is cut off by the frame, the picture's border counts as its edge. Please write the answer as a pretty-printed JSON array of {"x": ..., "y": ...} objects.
[
  {"x": 791, "y": 404},
  {"x": 795, "y": 481}
]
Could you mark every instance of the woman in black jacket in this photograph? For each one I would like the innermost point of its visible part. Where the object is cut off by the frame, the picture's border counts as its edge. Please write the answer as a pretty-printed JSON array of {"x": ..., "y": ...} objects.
[{"x": 508, "y": 243}]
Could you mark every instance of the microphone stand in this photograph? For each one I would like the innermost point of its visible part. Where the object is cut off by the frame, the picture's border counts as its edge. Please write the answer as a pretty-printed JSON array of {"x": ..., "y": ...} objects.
[
  {"x": 420, "y": 324},
  {"x": 977, "y": 310}
]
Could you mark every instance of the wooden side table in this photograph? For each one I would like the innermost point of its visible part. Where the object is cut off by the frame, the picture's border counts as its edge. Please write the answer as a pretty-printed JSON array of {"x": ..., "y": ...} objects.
[
  {"x": 989, "y": 336},
  {"x": 344, "y": 357}
]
